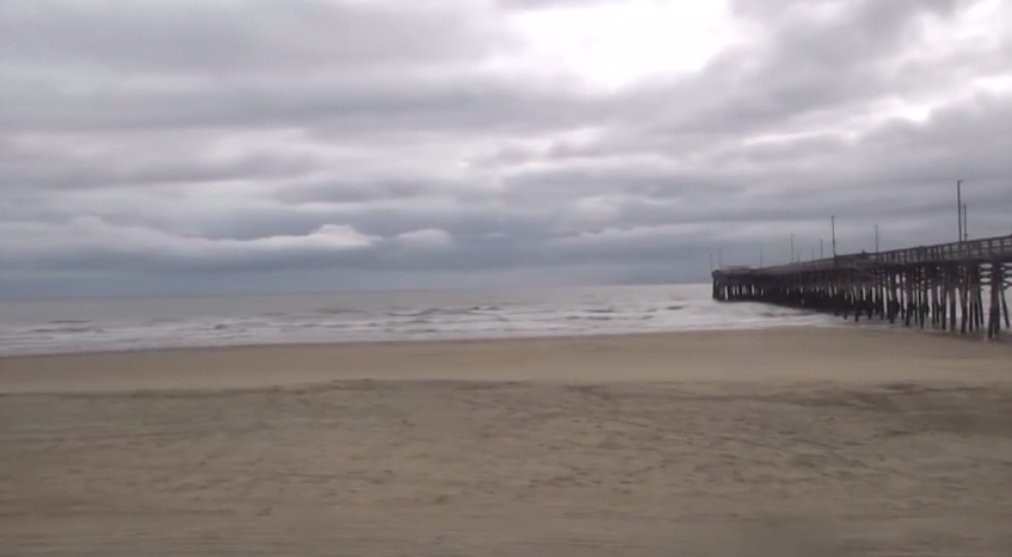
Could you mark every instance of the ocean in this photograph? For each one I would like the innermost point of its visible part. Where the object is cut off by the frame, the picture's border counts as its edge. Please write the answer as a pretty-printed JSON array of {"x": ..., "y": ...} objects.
[{"x": 61, "y": 326}]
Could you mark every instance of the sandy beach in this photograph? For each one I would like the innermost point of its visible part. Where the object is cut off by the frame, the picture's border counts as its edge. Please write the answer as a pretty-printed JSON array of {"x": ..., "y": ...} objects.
[{"x": 754, "y": 443}]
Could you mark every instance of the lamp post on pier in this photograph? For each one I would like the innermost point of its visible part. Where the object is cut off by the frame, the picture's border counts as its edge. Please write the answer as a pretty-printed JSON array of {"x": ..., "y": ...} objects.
[
  {"x": 966, "y": 226},
  {"x": 832, "y": 225},
  {"x": 959, "y": 208}
]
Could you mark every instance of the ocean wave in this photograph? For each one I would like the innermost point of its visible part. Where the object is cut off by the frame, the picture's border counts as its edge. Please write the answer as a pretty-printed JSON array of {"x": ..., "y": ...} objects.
[
  {"x": 329, "y": 325},
  {"x": 645, "y": 316},
  {"x": 435, "y": 311},
  {"x": 334, "y": 311},
  {"x": 417, "y": 321},
  {"x": 162, "y": 320},
  {"x": 65, "y": 330}
]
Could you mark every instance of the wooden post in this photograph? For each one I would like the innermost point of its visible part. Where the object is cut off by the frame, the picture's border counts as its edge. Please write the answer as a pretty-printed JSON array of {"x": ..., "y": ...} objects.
[
  {"x": 951, "y": 277},
  {"x": 994, "y": 315},
  {"x": 964, "y": 299},
  {"x": 1003, "y": 274}
]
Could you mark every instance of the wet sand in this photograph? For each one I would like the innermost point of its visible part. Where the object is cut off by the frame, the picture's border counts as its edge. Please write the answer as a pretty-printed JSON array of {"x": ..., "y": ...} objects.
[{"x": 753, "y": 443}]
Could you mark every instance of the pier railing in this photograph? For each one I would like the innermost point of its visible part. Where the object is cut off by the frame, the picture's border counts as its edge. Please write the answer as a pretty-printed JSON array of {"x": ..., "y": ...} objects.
[{"x": 998, "y": 248}]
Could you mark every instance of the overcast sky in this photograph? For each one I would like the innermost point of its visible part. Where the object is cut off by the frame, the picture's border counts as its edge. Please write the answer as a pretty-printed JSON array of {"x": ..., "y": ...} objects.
[{"x": 175, "y": 146}]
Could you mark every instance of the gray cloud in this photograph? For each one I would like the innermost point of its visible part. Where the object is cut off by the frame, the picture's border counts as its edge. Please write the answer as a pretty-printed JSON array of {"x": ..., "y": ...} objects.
[
  {"x": 126, "y": 163},
  {"x": 813, "y": 67},
  {"x": 255, "y": 36},
  {"x": 533, "y": 5},
  {"x": 364, "y": 144}
]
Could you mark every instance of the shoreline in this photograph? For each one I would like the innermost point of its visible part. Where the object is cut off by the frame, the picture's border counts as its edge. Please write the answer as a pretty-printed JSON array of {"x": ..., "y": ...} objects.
[
  {"x": 395, "y": 342},
  {"x": 874, "y": 327},
  {"x": 777, "y": 354}
]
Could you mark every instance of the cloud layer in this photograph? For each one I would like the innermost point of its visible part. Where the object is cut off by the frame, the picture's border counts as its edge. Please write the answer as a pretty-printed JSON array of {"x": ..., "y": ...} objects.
[{"x": 259, "y": 144}]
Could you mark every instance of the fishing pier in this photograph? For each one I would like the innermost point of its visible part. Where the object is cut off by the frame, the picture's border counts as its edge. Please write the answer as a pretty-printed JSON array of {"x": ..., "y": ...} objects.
[{"x": 957, "y": 287}]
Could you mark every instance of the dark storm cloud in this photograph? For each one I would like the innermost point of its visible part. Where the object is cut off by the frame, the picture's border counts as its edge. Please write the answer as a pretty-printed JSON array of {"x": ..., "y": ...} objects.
[{"x": 365, "y": 144}]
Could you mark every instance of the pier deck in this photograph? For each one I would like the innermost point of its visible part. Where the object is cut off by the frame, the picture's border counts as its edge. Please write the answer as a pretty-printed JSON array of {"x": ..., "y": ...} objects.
[{"x": 956, "y": 286}]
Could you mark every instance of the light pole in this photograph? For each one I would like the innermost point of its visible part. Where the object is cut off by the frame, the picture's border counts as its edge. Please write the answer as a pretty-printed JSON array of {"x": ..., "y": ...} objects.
[
  {"x": 959, "y": 207},
  {"x": 876, "y": 238},
  {"x": 832, "y": 224},
  {"x": 966, "y": 225}
]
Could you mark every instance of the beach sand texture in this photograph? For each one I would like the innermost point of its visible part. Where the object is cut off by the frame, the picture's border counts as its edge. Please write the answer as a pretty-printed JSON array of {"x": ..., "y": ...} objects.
[{"x": 772, "y": 443}]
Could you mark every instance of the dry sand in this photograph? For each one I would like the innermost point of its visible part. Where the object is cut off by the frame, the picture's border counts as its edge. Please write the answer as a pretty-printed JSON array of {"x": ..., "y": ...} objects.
[{"x": 774, "y": 443}]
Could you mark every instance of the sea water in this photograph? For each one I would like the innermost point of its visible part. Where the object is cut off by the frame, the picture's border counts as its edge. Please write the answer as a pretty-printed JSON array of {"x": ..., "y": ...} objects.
[{"x": 59, "y": 326}]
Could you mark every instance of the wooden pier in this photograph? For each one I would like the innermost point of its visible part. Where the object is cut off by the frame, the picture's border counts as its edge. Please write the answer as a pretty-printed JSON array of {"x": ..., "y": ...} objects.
[{"x": 952, "y": 287}]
